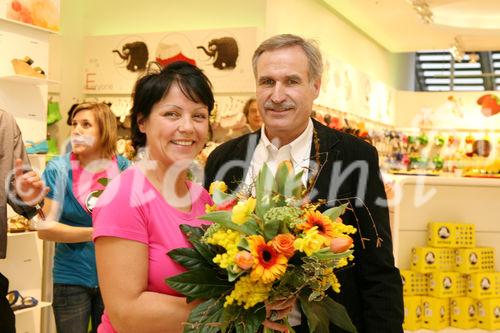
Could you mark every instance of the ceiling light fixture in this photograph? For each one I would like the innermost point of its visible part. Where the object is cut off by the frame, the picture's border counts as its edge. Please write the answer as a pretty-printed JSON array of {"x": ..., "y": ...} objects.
[{"x": 423, "y": 10}]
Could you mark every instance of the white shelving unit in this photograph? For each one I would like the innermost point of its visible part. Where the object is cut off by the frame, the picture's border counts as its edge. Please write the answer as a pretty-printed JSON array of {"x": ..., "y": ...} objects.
[
  {"x": 452, "y": 330},
  {"x": 23, "y": 79},
  {"x": 34, "y": 308},
  {"x": 26, "y": 99},
  {"x": 445, "y": 199},
  {"x": 20, "y": 234}
]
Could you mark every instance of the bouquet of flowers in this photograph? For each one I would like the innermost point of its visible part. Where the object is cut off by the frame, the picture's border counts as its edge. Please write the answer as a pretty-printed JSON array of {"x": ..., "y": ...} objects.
[{"x": 270, "y": 247}]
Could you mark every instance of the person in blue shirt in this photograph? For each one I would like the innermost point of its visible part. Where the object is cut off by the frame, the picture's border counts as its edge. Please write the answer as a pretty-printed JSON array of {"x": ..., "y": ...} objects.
[{"x": 76, "y": 181}]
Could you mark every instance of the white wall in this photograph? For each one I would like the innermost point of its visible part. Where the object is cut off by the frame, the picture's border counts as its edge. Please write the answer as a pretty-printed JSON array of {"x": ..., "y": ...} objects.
[
  {"x": 461, "y": 111},
  {"x": 118, "y": 17},
  {"x": 337, "y": 37},
  {"x": 66, "y": 63}
]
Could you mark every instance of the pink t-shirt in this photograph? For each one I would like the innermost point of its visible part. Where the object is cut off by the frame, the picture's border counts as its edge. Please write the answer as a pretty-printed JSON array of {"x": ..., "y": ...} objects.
[
  {"x": 85, "y": 183},
  {"x": 131, "y": 208}
]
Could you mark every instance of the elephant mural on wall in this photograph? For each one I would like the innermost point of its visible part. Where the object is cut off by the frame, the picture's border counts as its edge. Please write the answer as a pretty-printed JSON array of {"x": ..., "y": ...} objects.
[
  {"x": 136, "y": 54},
  {"x": 224, "y": 51}
]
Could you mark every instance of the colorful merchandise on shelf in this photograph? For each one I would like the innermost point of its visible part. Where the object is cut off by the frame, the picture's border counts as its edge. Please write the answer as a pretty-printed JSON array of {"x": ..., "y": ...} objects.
[
  {"x": 478, "y": 259},
  {"x": 483, "y": 167},
  {"x": 53, "y": 150},
  {"x": 453, "y": 235},
  {"x": 40, "y": 147},
  {"x": 463, "y": 312},
  {"x": 124, "y": 147},
  {"x": 484, "y": 285},
  {"x": 490, "y": 104},
  {"x": 17, "y": 223},
  {"x": 23, "y": 67},
  {"x": 488, "y": 316},
  {"x": 473, "y": 154},
  {"x": 19, "y": 302},
  {"x": 436, "y": 313},
  {"x": 429, "y": 259},
  {"x": 53, "y": 113},
  {"x": 412, "y": 312}
]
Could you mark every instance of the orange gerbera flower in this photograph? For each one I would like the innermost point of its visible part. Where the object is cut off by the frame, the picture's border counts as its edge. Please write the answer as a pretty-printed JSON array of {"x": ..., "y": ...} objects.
[
  {"x": 269, "y": 264},
  {"x": 316, "y": 219}
]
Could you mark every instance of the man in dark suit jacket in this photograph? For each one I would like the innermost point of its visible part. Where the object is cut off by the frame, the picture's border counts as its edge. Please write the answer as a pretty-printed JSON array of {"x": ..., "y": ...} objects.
[
  {"x": 341, "y": 168},
  {"x": 28, "y": 189}
]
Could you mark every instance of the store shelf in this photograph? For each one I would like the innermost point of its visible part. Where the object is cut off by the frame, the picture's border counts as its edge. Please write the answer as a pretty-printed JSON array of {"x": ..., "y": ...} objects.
[
  {"x": 451, "y": 330},
  {"x": 20, "y": 234},
  {"x": 31, "y": 26},
  {"x": 444, "y": 199},
  {"x": 38, "y": 306},
  {"x": 24, "y": 79}
]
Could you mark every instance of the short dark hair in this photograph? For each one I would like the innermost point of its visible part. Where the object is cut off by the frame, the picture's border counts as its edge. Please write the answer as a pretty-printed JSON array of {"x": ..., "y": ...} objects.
[
  {"x": 153, "y": 86},
  {"x": 246, "y": 108}
]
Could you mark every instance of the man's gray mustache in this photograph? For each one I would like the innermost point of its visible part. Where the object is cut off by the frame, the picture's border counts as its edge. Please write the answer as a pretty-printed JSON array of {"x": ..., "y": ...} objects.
[{"x": 279, "y": 107}]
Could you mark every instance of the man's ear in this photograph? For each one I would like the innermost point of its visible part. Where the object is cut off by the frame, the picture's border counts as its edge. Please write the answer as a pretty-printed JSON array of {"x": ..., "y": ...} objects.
[
  {"x": 141, "y": 123},
  {"x": 316, "y": 85}
]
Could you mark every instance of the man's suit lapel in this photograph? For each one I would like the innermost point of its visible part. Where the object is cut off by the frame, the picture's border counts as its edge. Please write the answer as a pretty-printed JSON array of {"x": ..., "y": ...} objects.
[
  {"x": 329, "y": 152},
  {"x": 243, "y": 153}
]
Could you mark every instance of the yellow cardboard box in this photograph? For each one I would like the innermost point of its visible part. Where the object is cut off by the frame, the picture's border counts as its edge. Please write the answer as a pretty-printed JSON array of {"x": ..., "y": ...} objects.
[
  {"x": 413, "y": 313},
  {"x": 447, "y": 284},
  {"x": 442, "y": 234},
  {"x": 463, "y": 312},
  {"x": 432, "y": 259},
  {"x": 477, "y": 259},
  {"x": 488, "y": 311},
  {"x": 436, "y": 313},
  {"x": 414, "y": 283},
  {"x": 484, "y": 285}
]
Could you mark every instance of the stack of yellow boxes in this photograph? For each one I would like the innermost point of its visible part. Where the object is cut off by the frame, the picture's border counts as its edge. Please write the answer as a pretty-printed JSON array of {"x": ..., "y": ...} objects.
[{"x": 451, "y": 282}]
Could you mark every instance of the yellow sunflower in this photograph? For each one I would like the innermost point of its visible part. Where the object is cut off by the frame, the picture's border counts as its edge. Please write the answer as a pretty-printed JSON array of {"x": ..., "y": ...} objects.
[
  {"x": 269, "y": 264},
  {"x": 316, "y": 219}
]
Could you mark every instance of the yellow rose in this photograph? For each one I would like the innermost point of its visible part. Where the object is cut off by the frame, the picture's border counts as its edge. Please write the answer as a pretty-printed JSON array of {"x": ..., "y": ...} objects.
[
  {"x": 242, "y": 211},
  {"x": 311, "y": 242},
  {"x": 219, "y": 185}
]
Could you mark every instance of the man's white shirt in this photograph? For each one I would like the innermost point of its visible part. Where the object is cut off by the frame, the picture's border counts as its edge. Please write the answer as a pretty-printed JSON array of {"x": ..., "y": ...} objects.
[{"x": 298, "y": 152}]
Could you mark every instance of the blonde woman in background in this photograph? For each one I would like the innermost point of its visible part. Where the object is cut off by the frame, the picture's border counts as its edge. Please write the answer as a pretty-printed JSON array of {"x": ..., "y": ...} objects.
[{"x": 74, "y": 185}]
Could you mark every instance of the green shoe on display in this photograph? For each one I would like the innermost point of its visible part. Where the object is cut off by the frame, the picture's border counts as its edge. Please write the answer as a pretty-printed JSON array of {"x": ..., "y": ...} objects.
[{"x": 53, "y": 113}]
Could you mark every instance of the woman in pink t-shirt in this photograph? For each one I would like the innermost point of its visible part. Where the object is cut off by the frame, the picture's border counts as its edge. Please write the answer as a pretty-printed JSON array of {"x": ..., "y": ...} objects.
[{"x": 137, "y": 218}]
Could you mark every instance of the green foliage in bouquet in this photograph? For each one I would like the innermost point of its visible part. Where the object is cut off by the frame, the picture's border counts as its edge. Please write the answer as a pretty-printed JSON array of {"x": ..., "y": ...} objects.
[{"x": 269, "y": 247}]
